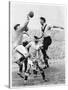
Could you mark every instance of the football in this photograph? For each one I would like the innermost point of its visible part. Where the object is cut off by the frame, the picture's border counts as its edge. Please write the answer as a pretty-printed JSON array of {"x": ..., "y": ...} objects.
[{"x": 31, "y": 14}]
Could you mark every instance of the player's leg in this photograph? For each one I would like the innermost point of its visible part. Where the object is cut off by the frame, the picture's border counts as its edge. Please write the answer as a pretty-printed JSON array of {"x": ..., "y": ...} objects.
[
  {"x": 20, "y": 67},
  {"x": 25, "y": 64},
  {"x": 45, "y": 57},
  {"x": 42, "y": 73}
]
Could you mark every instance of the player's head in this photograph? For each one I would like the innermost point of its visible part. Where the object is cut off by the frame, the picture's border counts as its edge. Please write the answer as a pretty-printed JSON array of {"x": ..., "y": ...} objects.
[
  {"x": 16, "y": 27},
  {"x": 36, "y": 39},
  {"x": 25, "y": 43},
  {"x": 42, "y": 20}
]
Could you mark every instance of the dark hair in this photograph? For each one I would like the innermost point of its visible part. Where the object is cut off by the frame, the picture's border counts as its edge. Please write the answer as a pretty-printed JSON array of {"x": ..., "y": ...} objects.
[
  {"x": 35, "y": 37},
  {"x": 42, "y": 18},
  {"x": 25, "y": 43},
  {"x": 15, "y": 27}
]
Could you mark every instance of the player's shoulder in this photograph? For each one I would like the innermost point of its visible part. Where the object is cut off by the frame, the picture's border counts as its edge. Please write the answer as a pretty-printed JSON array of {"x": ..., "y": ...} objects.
[{"x": 49, "y": 25}]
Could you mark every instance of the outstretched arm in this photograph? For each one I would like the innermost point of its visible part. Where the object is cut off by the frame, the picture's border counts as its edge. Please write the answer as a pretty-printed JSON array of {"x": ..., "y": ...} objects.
[
  {"x": 51, "y": 27},
  {"x": 58, "y": 27},
  {"x": 24, "y": 27}
]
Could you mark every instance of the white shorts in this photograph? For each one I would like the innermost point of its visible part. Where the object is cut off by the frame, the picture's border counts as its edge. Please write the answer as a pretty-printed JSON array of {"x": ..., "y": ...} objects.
[{"x": 22, "y": 50}]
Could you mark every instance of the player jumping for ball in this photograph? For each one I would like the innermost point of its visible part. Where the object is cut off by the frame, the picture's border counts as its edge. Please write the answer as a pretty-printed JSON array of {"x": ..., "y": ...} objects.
[{"x": 23, "y": 41}]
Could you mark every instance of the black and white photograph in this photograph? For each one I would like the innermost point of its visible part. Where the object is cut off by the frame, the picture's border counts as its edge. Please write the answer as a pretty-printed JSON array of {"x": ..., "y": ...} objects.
[{"x": 37, "y": 44}]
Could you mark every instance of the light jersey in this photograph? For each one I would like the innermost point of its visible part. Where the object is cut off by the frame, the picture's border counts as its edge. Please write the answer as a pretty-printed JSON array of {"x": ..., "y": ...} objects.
[
  {"x": 47, "y": 32},
  {"x": 22, "y": 50},
  {"x": 34, "y": 49},
  {"x": 36, "y": 55}
]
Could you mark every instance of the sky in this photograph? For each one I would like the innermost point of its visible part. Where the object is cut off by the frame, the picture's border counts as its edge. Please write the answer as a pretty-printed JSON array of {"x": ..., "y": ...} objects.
[{"x": 54, "y": 15}]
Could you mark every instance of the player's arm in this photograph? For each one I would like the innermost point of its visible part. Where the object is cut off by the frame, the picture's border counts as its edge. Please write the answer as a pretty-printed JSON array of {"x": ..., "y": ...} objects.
[
  {"x": 25, "y": 33},
  {"x": 28, "y": 45},
  {"x": 24, "y": 27},
  {"x": 40, "y": 36},
  {"x": 58, "y": 27},
  {"x": 52, "y": 27}
]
